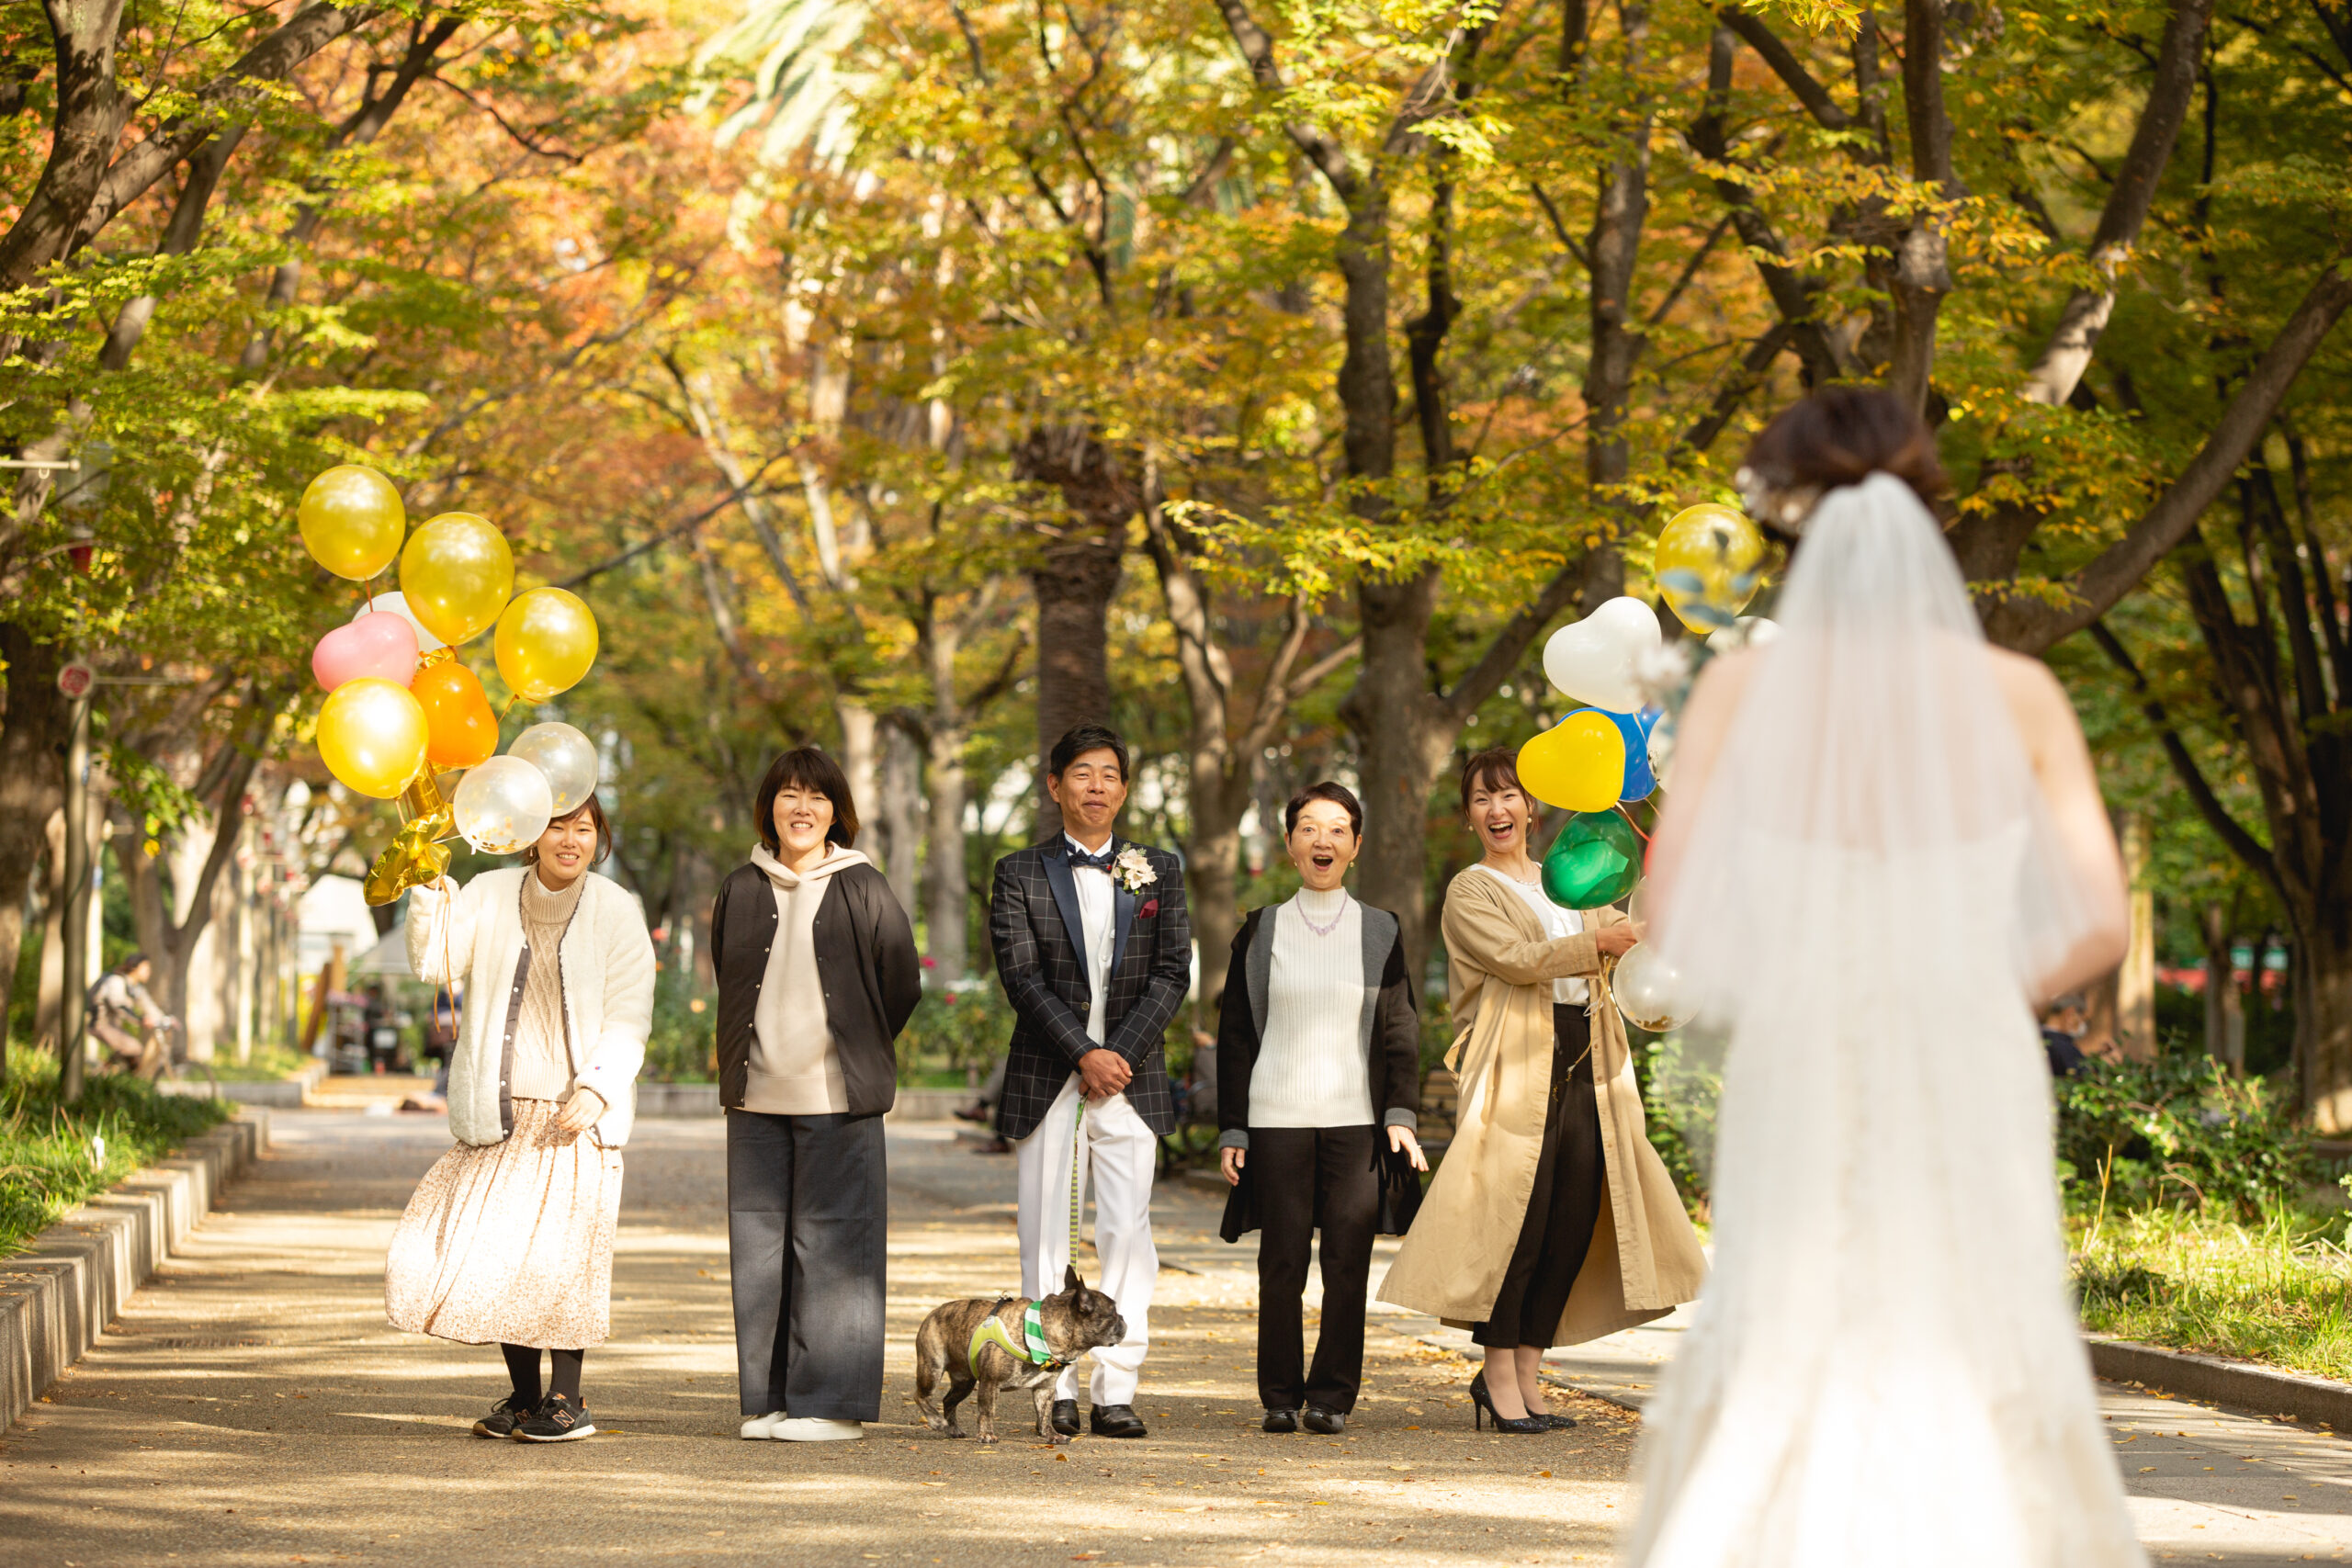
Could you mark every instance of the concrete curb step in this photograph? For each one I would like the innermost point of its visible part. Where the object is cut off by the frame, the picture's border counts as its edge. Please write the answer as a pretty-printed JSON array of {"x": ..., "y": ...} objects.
[
  {"x": 2259, "y": 1389},
  {"x": 57, "y": 1297},
  {"x": 287, "y": 1092}
]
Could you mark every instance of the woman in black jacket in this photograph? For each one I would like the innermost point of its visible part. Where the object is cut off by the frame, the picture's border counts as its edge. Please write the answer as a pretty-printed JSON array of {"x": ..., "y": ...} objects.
[
  {"x": 1318, "y": 1065},
  {"x": 817, "y": 975}
]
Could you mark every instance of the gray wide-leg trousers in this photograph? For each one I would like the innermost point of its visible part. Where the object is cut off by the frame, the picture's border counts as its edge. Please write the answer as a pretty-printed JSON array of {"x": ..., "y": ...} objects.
[{"x": 808, "y": 1200}]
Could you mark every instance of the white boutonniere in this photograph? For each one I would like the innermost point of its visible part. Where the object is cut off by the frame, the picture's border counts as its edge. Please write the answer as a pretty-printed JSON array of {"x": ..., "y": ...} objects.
[{"x": 1132, "y": 870}]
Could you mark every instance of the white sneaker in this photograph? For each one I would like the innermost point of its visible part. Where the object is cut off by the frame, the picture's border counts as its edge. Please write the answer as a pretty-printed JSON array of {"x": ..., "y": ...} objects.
[
  {"x": 762, "y": 1426},
  {"x": 809, "y": 1430}
]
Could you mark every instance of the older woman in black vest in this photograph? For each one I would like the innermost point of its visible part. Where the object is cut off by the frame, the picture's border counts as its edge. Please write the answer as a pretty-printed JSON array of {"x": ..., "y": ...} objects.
[
  {"x": 1318, "y": 1086},
  {"x": 817, "y": 975}
]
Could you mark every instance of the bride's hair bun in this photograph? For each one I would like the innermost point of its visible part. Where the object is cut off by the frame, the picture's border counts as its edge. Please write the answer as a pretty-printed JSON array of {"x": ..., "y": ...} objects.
[{"x": 1839, "y": 435}]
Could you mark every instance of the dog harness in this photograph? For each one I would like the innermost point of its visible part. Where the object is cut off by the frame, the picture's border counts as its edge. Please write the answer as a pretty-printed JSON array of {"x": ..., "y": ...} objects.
[{"x": 992, "y": 1331}]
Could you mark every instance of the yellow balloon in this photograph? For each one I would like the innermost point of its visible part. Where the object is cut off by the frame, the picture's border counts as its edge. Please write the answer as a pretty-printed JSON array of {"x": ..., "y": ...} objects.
[
  {"x": 372, "y": 736},
  {"x": 1578, "y": 764},
  {"x": 546, "y": 642},
  {"x": 456, "y": 573},
  {"x": 1720, "y": 548},
  {"x": 352, "y": 520}
]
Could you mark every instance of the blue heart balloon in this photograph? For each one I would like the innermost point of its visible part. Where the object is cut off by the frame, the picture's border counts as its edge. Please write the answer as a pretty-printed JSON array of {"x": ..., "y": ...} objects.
[{"x": 1635, "y": 726}]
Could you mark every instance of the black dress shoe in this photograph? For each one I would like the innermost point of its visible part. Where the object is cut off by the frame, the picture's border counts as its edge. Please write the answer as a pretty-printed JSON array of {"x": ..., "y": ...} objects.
[
  {"x": 1064, "y": 1419},
  {"x": 1558, "y": 1422},
  {"x": 1281, "y": 1421},
  {"x": 1330, "y": 1423},
  {"x": 1118, "y": 1421}
]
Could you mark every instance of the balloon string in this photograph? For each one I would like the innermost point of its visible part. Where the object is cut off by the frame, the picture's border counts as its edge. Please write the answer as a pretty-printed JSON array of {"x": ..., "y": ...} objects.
[{"x": 1637, "y": 827}]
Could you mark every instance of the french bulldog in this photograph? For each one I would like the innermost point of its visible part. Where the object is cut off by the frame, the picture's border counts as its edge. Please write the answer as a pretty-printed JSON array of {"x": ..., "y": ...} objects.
[{"x": 1071, "y": 1324}]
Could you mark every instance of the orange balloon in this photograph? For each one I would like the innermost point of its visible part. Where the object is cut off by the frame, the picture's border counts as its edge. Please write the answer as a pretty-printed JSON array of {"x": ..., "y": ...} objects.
[{"x": 461, "y": 731}]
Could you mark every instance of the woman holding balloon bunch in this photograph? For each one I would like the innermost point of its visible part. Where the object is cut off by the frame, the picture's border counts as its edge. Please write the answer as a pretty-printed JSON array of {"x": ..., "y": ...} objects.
[
  {"x": 509, "y": 1238},
  {"x": 1551, "y": 1221}
]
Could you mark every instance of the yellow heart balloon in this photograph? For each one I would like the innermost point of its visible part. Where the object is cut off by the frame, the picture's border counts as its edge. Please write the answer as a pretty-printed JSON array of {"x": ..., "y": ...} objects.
[
  {"x": 351, "y": 520},
  {"x": 1719, "y": 548},
  {"x": 457, "y": 574},
  {"x": 547, "y": 641},
  {"x": 1578, "y": 764},
  {"x": 372, "y": 736}
]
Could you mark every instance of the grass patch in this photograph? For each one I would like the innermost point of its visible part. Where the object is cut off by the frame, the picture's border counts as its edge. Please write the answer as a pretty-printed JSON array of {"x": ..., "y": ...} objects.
[
  {"x": 2273, "y": 1291},
  {"x": 53, "y": 1156},
  {"x": 266, "y": 1063}
]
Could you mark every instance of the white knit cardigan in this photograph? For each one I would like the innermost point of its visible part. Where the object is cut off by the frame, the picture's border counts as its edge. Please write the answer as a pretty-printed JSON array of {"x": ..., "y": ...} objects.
[{"x": 476, "y": 934}]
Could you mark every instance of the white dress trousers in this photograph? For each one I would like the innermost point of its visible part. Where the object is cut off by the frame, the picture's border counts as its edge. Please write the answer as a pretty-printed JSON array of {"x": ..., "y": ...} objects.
[{"x": 1120, "y": 1152}]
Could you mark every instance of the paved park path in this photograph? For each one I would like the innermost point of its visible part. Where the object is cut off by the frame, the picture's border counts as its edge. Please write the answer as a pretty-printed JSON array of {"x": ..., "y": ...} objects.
[{"x": 253, "y": 1408}]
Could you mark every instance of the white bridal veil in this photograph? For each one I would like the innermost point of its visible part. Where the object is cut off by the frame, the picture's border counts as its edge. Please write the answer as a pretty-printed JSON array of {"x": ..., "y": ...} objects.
[{"x": 1884, "y": 1367}]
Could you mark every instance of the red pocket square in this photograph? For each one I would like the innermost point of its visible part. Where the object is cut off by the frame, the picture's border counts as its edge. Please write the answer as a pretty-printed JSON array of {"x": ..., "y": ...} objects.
[{"x": 1149, "y": 910}]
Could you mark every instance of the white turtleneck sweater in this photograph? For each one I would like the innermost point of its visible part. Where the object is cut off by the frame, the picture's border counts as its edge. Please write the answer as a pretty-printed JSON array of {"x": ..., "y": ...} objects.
[{"x": 1310, "y": 1070}]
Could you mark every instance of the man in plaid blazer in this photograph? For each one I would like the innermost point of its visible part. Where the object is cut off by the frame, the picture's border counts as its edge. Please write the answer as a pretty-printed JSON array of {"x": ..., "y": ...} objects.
[{"x": 1094, "y": 949}]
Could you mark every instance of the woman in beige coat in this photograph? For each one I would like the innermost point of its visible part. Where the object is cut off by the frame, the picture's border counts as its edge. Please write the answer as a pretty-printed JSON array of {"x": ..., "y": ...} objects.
[{"x": 1551, "y": 1221}]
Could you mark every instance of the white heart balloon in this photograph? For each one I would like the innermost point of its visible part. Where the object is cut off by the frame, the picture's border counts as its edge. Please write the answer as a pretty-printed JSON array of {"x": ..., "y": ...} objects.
[
  {"x": 1595, "y": 660},
  {"x": 397, "y": 604}
]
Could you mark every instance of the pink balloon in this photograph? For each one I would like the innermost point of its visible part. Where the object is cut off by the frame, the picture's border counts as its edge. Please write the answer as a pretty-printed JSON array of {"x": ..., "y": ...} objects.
[{"x": 383, "y": 645}]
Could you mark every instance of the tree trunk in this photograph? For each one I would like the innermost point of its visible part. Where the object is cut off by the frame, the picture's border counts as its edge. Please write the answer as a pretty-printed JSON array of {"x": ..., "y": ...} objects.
[
  {"x": 1076, "y": 576},
  {"x": 2323, "y": 981},
  {"x": 857, "y": 759},
  {"x": 2135, "y": 982},
  {"x": 48, "y": 1004},
  {"x": 901, "y": 805},
  {"x": 2224, "y": 1010},
  {"x": 1404, "y": 736},
  {"x": 950, "y": 882},
  {"x": 32, "y": 784}
]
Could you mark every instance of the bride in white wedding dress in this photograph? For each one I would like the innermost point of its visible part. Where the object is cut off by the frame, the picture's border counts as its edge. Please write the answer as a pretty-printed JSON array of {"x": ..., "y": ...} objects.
[{"x": 1885, "y": 839}]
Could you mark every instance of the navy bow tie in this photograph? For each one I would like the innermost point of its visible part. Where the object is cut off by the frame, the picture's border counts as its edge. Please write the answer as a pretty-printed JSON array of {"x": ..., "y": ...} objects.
[{"x": 1080, "y": 861}]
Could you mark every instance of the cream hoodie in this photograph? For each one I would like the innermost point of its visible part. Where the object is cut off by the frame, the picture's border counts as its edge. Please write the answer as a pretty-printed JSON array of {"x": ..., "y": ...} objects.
[{"x": 796, "y": 1069}]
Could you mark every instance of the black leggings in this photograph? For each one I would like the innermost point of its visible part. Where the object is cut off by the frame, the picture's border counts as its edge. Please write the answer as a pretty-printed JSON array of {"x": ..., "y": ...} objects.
[{"x": 523, "y": 1367}]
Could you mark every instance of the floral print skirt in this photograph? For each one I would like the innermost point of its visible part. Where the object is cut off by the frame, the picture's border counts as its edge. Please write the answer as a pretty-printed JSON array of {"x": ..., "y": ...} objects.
[{"x": 511, "y": 1242}]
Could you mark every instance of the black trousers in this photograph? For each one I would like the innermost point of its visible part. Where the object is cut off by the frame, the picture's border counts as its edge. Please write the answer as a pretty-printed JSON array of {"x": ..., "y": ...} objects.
[
  {"x": 808, "y": 1206},
  {"x": 1571, "y": 1177},
  {"x": 1308, "y": 1177}
]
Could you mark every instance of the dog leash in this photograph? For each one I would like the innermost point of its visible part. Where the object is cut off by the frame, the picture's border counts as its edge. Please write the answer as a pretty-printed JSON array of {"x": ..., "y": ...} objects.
[{"x": 1077, "y": 1137}]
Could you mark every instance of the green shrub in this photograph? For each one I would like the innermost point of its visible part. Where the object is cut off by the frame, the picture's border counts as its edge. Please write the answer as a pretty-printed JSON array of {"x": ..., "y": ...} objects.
[
  {"x": 1680, "y": 1088},
  {"x": 52, "y": 1156},
  {"x": 960, "y": 1028},
  {"x": 681, "y": 1047},
  {"x": 2178, "y": 1133}
]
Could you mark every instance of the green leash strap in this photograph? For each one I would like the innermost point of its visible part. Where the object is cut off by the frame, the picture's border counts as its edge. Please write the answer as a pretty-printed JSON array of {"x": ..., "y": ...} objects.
[{"x": 992, "y": 1331}]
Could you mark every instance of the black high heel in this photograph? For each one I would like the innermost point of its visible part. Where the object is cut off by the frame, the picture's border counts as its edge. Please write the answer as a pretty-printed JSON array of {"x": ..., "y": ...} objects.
[{"x": 1483, "y": 1406}]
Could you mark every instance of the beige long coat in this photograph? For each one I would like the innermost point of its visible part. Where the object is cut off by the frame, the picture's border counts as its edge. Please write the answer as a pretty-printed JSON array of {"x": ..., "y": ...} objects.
[{"x": 1645, "y": 1258}]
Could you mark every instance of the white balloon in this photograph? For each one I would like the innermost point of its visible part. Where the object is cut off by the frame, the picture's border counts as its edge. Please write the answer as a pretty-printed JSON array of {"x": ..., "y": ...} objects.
[
  {"x": 1647, "y": 988},
  {"x": 567, "y": 757},
  {"x": 502, "y": 805},
  {"x": 1748, "y": 631},
  {"x": 1595, "y": 660},
  {"x": 397, "y": 604}
]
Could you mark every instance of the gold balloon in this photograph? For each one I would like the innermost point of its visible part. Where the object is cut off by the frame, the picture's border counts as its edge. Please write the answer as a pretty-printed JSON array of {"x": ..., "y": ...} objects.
[
  {"x": 416, "y": 855},
  {"x": 351, "y": 520},
  {"x": 372, "y": 736},
  {"x": 1719, "y": 549},
  {"x": 546, "y": 642},
  {"x": 456, "y": 573}
]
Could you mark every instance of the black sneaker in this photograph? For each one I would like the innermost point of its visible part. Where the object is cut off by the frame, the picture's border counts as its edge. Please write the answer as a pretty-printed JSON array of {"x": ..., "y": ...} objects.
[
  {"x": 504, "y": 1416},
  {"x": 556, "y": 1420}
]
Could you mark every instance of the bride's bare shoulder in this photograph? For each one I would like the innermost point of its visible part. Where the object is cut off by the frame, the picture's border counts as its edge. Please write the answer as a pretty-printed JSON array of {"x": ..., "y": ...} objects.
[{"x": 2036, "y": 699}]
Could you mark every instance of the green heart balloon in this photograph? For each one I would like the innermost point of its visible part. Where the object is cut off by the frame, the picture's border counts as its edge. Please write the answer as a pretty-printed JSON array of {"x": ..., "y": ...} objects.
[{"x": 1595, "y": 861}]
